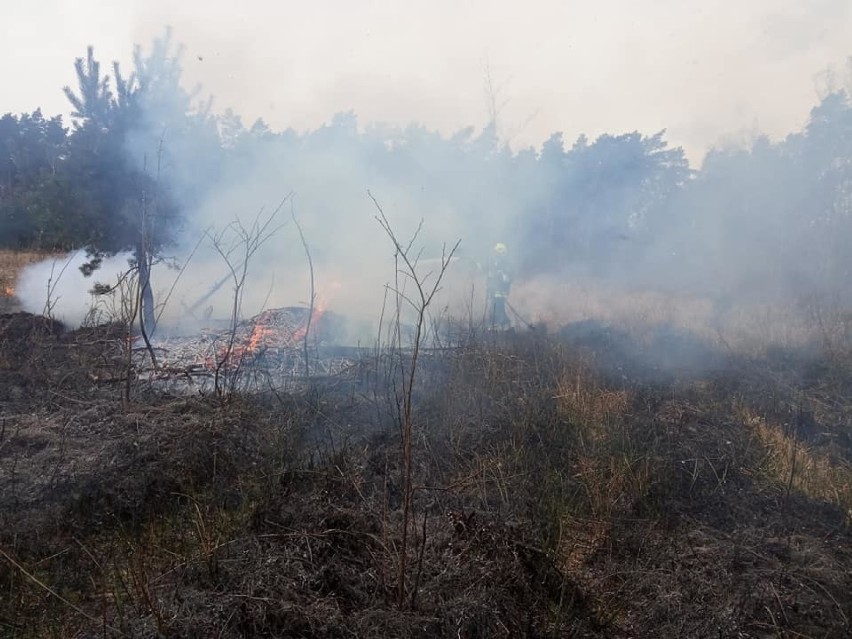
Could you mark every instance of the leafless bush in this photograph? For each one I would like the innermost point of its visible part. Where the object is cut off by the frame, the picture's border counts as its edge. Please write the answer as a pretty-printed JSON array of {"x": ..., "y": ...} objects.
[
  {"x": 418, "y": 300},
  {"x": 236, "y": 244}
]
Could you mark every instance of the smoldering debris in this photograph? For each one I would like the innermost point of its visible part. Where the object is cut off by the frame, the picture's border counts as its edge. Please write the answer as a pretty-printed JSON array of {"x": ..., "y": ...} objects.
[{"x": 271, "y": 349}]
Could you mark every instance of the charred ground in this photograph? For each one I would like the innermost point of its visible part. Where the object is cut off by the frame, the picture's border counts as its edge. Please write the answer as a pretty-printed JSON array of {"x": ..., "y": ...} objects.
[{"x": 566, "y": 485}]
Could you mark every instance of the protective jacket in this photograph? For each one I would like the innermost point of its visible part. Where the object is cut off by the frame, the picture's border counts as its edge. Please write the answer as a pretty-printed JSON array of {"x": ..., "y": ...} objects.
[{"x": 499, "y": 278}]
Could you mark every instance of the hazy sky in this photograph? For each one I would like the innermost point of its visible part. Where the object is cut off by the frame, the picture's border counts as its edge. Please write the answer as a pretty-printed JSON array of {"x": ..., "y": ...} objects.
[{"x": 709, "y": 71}]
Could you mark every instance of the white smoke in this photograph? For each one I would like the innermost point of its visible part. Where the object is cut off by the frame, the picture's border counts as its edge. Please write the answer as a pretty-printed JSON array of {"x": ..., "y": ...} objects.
[{"x": 58, "y": 288}]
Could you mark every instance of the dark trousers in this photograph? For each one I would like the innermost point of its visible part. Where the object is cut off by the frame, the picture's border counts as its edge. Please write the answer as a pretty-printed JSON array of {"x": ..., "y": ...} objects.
[{"x": 499, "y": 318}]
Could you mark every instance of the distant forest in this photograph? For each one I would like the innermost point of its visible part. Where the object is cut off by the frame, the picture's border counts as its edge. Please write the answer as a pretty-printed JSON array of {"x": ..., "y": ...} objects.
[{"x": 141, "y": 149}]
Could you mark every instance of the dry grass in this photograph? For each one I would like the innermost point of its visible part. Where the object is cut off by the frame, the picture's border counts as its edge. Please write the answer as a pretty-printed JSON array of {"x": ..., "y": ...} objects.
[
  {"x": 11, "y": 264},
  {"x": 791, "y": 461},
  {"x": 747, "y": 326},
  {"x": 552, "y": 498}
]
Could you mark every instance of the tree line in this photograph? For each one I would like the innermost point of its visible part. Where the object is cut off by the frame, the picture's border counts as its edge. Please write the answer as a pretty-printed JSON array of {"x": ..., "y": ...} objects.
[{"x": 627, "y": 205}]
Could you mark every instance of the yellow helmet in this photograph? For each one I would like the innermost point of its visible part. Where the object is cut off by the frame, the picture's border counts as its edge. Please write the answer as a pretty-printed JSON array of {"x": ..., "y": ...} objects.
[{"x": 500, "y": 248}]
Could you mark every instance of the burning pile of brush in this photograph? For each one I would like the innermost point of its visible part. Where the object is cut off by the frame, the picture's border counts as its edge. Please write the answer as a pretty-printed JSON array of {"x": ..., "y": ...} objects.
[
  {"x": 283, "y": 342},
  {"x": 276, "y": 330}
]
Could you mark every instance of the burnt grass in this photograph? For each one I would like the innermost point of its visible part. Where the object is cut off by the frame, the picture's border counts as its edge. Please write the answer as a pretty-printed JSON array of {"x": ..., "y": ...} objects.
[{"x": 576, "y": 484}]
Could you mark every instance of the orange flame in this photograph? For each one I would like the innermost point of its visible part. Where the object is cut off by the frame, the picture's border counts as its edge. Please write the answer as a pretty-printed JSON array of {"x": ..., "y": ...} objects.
[
  {"x": 318, "y": 312},
  {"x": 257, "y": 337},
  {"x": 259, "y": 332},
  {"x": 9, "y": 291},
  {"x": 264, "y": 333}
]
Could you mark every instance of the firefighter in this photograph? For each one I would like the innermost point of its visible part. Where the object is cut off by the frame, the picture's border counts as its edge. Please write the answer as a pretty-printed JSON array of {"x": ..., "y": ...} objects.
[{"x": 499, "y": 283}]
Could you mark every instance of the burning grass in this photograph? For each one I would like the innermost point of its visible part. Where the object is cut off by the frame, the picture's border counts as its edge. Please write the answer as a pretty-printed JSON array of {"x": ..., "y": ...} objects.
[{"x": 556, "y": 494}]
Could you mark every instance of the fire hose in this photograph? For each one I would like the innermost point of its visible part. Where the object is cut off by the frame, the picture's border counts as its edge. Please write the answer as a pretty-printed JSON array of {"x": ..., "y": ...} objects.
[{"x": 517, "y": 315}]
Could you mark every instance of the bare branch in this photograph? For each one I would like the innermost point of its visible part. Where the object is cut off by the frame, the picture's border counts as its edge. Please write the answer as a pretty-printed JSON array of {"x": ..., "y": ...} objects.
[
  {"x": 420, "y": 304},
  {"x": 313, "y": 292}
]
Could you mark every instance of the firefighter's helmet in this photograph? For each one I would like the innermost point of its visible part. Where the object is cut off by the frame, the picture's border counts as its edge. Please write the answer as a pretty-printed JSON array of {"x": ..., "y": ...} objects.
[{"x": 500, "y": 249}]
